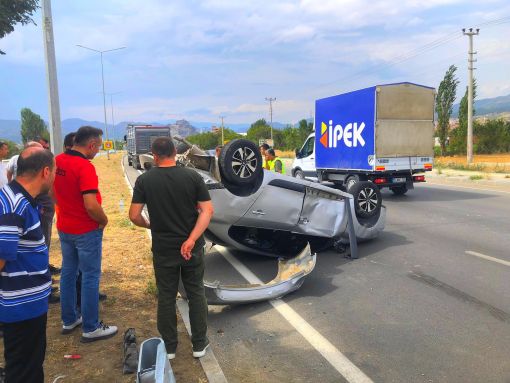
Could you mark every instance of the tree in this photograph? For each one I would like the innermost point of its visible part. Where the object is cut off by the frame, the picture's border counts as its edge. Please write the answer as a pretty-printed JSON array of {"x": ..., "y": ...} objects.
[
  {"x": 259, "y": 129},
  {"x": 32, "y": 126},
  {"x": 13, "y": 12},
  {"x": 305, "y": 128},
  {"x": 445, "y": 98},
  {"x": 210, "y": 140},
  {"x": 458, "y": 137}
]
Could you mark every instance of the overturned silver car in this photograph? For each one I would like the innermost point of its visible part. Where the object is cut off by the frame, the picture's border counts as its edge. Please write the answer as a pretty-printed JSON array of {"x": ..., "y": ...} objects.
[{"x": 270, "y": 214}]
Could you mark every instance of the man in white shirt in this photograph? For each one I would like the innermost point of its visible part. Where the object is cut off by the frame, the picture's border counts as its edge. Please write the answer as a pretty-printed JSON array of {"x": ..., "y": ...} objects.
[{"x": 4, "y": 149}]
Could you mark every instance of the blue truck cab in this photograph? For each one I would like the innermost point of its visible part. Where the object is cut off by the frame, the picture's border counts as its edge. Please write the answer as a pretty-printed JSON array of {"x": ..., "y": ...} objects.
[{"x": 383, "y": 134}]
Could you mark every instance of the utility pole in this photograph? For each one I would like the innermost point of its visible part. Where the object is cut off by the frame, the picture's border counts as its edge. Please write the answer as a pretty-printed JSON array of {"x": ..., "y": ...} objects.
[
  {"x": 52, "y": 81},
  {"x": 271, "y": 99},
  {"x": 222, "y": 136},
  {"x": 470, "y": 33}
]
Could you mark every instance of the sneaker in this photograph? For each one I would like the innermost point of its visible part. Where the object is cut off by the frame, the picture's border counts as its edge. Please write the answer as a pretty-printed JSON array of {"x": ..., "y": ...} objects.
[
  {"x": 171, "y": 356},
  {"x": 72, "y": 326},
  {"x": 102, "y": 332},
  {"x": 200, "y": 353}
]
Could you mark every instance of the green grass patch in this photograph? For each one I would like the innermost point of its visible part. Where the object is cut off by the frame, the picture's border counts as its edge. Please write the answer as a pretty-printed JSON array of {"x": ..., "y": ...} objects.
[
  {"x": 151, "y": 288},
  {"x": 476, "y": 177}
]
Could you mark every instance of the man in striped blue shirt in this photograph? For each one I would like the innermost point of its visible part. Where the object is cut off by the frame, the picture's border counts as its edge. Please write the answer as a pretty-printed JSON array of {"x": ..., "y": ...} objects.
[{"x": 25, "y": 281}]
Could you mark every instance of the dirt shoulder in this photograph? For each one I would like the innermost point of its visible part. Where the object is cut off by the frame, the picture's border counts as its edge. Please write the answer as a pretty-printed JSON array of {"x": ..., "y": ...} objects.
[
  {"x": 471, "y": 179},
  {"x": 128, "y": 280}
]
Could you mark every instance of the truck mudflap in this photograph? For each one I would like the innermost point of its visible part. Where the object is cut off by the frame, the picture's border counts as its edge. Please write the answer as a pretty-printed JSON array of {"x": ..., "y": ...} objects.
[{"x": 291, "y": 275}]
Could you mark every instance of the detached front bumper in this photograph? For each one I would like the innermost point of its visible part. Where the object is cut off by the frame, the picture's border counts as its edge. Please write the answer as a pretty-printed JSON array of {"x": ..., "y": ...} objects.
[{"x": 291, "y": 275}]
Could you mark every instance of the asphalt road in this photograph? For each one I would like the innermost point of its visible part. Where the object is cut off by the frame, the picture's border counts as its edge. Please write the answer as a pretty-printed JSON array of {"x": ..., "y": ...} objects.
[{"x": 424, "y": 303}]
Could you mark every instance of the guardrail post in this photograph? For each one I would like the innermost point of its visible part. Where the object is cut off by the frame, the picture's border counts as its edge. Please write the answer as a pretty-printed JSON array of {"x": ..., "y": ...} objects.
[{"x": 352, "y": 233}]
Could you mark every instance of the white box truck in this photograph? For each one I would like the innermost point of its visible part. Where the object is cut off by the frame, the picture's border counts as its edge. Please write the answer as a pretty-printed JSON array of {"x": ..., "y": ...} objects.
[{"x": 383, "y": 134}]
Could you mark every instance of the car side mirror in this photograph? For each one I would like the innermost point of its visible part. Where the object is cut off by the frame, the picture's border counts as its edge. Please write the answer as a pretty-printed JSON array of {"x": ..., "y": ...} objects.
[{"x": 297, "y": 153}]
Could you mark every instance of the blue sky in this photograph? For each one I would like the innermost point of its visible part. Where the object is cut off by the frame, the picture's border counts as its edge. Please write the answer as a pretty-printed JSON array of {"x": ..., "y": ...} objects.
[{"x": 201, "y": 59}]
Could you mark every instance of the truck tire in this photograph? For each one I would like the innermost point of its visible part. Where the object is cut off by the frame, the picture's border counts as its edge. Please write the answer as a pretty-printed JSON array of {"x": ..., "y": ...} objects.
[
  {"x": 240, "y": 162},
  {"x": 399, "y": 190},
  {"x": 299, "y": 174},
  {"x": 367, "y": 199},
  {"x": 350, "y": 181}
]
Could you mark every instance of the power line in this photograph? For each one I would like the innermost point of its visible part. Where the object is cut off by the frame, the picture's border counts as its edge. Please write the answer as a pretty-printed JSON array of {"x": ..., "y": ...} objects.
[{"x": 415, "y": 52}]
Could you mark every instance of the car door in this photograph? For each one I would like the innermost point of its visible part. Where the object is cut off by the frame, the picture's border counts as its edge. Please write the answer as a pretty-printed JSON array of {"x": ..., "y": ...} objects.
[{"x": 278, "y": 207}]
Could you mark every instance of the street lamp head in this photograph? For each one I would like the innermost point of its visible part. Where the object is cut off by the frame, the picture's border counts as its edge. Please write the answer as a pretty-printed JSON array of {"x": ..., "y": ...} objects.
[
  {"x": 463, "y": 30},
  {"x": 470, "y": 29},
  {"x": 477, "y": 30}
]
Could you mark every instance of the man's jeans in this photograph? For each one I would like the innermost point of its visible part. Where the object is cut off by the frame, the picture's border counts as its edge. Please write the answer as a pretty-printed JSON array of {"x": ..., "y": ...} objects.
[{"x": 83, "y": 252}]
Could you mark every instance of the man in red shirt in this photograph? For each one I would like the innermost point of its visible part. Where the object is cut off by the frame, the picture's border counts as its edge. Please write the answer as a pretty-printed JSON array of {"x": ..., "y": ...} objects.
[{"x": 80, "y": 224}]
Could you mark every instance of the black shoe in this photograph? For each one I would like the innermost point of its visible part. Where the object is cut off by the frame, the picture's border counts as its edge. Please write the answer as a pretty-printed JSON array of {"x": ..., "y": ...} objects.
[
  {"x": 54, "y": 298},
  {"x": 102, "y": 297},
  {"x": 54, "y": 270}
]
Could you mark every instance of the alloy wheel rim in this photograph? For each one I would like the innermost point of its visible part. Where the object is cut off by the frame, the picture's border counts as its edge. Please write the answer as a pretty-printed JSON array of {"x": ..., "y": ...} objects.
[
  {"x": 244, "y": 162},
  {"x": 367, "y": 199}
]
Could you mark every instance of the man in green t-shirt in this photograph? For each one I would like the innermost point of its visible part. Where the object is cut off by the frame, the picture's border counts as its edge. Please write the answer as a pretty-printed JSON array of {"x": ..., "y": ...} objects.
[{"x": 180, "y": 210}]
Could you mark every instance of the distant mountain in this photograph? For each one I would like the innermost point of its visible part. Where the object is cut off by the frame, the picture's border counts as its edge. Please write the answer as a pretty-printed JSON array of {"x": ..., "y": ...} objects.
[
  {"x": 10, "y": 129},
  {"x": 488, "y": 106}
]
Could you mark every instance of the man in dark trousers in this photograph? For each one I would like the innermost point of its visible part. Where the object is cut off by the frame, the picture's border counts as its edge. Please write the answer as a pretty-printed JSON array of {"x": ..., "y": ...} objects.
[
  {"x": 180, "y": 210},
  {"x": 25, "y": 281}
]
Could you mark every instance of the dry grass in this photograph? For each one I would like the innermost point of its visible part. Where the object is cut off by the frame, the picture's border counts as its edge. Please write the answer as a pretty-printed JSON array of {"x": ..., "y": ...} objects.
[
  {"x": 494, "y": 163},
  {"x": 285, "y": 153},
  {"x": 127, "y": 273}
]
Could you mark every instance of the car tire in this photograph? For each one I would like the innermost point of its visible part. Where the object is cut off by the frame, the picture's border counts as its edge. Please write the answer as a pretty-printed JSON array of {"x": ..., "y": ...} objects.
[
  {"x": 299, "y": 174},
  {"x": 240, "y": 162},
  {"x": 399, "y": 190},
  {"x": 367, "y": 199}
]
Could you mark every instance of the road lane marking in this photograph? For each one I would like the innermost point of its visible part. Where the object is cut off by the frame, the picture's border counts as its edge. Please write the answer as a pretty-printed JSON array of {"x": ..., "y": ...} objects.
[
  {"x": 465, "y": 187},
  {"x": 487, "y": 257},
  {"x": 338, "y": 360},
  {"x": 209, "y": 362}
]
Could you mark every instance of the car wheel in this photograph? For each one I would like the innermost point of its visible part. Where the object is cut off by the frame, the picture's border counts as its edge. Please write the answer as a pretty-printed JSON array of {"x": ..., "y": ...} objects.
[
  {"x": 299, "y": 174},
  {"x": 240, "y": 162},
  {"x": 399, "y": 190},
  {"x": 367, "y": 199},
  {"x": 350, "y": 181}
]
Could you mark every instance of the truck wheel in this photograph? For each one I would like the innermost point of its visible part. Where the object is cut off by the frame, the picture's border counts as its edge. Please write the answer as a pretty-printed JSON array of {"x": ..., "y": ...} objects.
[
  {"x": 399, "y": 190},
  {"x": 367, "y": 199},
  {"x": 299, "y": 174},
  {"x": 350, "y": 181},
  {"x": 240, "y": 162}
]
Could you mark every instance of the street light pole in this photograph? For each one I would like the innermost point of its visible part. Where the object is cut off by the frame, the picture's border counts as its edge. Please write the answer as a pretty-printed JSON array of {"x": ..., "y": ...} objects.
[
  {"x": 51, "y": 76},
  {"x": 113, "y": 119},
  {"x": 102, "y": 79}
]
